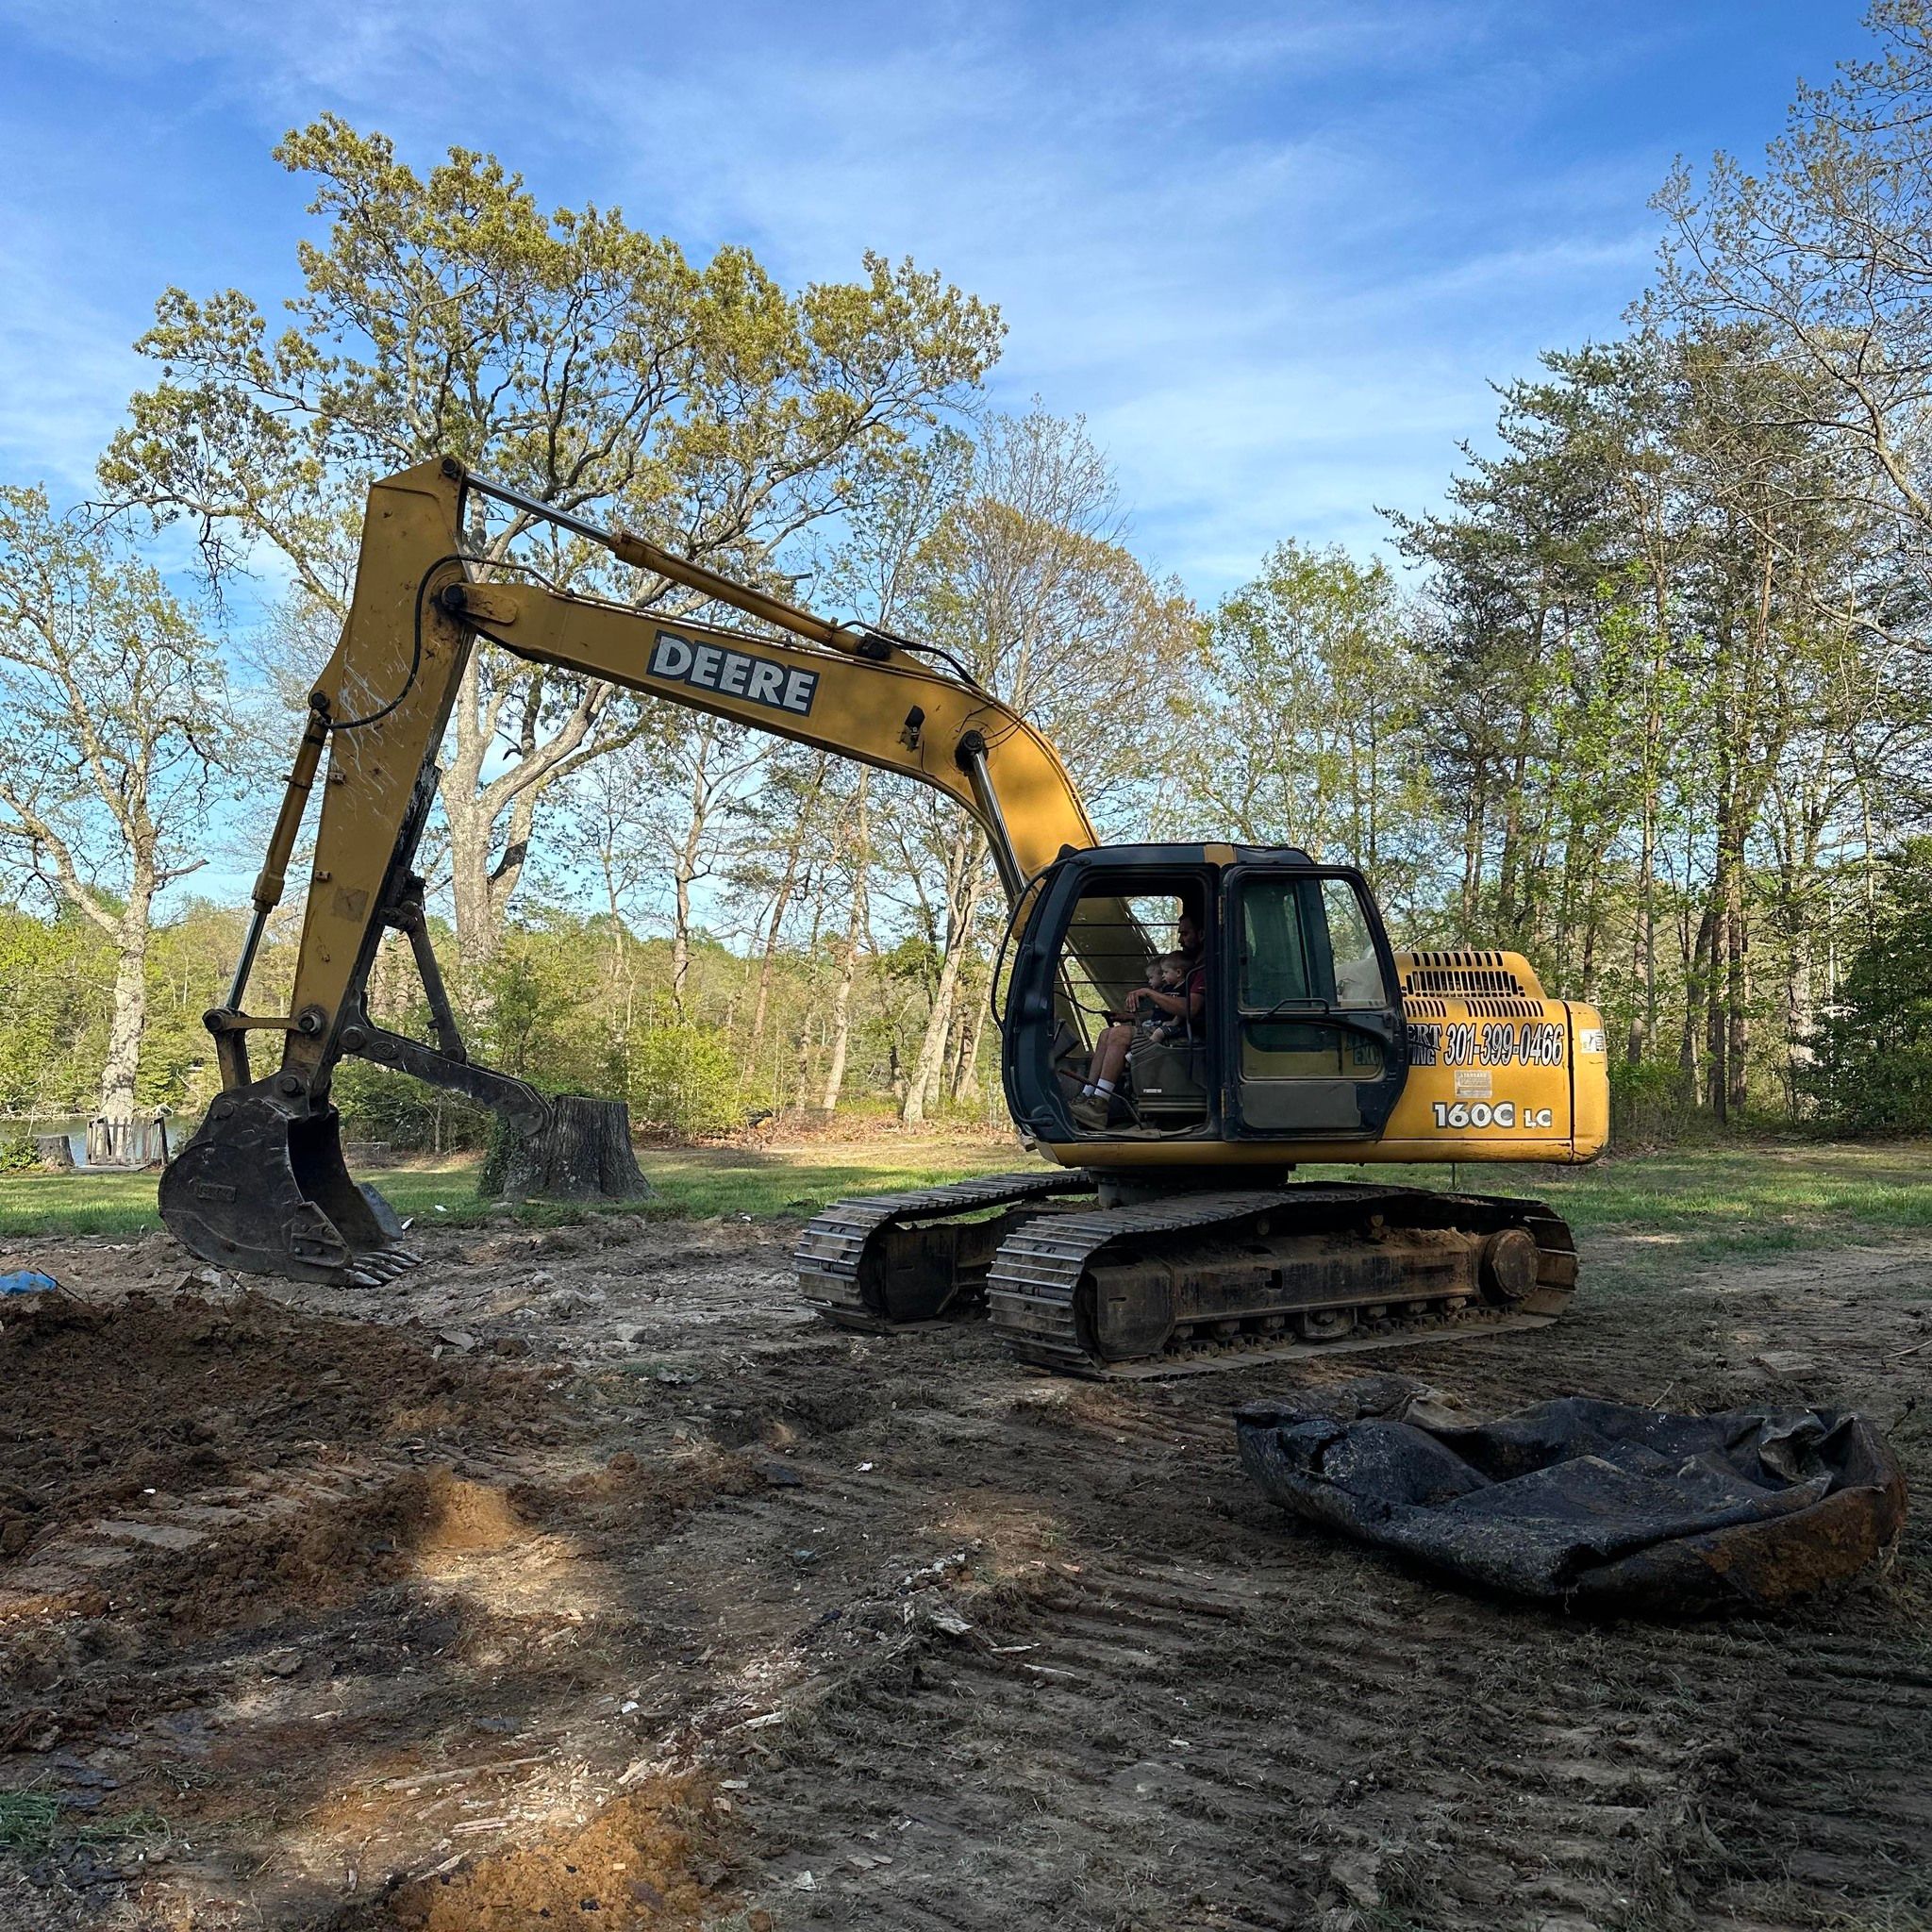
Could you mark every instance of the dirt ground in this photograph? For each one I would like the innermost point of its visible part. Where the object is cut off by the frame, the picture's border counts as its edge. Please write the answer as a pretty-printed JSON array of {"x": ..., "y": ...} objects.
[{"x": 580, "y": 1579}]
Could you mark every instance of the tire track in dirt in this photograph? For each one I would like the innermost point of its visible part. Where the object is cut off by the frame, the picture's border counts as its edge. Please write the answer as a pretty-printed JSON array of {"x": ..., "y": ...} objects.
[
  {"x": 979, "y": 1648},
  {"x": 1232, "y": 1747},
  {"x": 1795, "y": 1832},
  {"x": 1219, "y": 1719}
]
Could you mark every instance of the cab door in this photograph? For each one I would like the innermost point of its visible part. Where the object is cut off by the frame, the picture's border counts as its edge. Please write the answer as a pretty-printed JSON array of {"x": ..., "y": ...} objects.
[{"x": 1313, "y": 1044}]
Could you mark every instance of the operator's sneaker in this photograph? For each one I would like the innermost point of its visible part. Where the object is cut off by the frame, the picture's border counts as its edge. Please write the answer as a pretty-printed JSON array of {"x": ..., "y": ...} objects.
[{"x": 1090, "y": 1110}]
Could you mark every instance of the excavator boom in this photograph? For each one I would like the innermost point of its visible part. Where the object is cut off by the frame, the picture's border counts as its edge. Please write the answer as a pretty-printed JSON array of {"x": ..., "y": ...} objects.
[{"x": 262, "y": 1186}]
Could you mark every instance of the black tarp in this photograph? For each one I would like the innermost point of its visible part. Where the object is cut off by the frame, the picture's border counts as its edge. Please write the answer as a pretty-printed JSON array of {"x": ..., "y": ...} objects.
[{"x": 1600, "y": 1505}]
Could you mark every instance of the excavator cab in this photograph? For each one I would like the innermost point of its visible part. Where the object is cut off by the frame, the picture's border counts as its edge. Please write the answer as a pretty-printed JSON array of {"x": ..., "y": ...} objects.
[{"x": 1299, "y": 1037}]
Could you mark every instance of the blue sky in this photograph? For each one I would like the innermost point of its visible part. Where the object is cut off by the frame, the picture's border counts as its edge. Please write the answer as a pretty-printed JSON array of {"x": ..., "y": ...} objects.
[{"x": 1274, "y": 254}]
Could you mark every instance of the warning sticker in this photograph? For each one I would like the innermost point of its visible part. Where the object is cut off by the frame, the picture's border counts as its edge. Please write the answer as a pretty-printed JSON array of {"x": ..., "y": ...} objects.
[{"x": 1475, "y": 1085}]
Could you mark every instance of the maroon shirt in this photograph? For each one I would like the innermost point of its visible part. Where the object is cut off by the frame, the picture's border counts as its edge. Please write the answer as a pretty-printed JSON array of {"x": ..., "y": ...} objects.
[{"x": 1194, "y": 987}]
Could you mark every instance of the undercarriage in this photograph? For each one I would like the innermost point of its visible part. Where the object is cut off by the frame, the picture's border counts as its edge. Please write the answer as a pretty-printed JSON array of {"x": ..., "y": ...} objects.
[{"x": 1185, "y": 1282}]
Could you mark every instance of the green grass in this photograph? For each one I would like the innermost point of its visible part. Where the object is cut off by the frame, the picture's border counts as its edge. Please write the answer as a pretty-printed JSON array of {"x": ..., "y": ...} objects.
[
  {"x": 691, "y": 1182},
  {"x": 34, "y": 1821},
  {"x": 1739, "y": 1197},
  {"x": 1755, "y": 1197}
]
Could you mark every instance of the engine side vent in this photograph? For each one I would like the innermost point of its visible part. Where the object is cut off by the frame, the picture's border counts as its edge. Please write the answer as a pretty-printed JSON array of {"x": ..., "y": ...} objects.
[
  {"x": 1421, "y": 1007},
  {"x": 1461, "y": 972}
]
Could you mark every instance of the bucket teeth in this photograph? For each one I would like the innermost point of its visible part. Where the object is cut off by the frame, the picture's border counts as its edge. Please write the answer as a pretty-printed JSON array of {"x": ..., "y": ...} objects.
[{"x": 263, "y": 1189}]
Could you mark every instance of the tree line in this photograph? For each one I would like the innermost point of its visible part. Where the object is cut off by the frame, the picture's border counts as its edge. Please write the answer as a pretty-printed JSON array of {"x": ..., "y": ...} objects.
[{"x": 1644, "y": 698}]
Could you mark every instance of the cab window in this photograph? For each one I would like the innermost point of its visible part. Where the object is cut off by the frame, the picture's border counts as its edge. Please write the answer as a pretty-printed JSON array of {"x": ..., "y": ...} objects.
[
  {"x": 1305, "y": 942},
  {"x": 1275, "y": 951},
  {"x": 1113, "y": 940},
  {"x": 1358, "y": 978},
  {"x": 1307, "y": 953}
]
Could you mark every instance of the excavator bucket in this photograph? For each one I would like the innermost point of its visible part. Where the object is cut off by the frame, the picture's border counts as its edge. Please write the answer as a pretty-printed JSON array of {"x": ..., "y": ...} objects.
[{"x": 263, "y": 1190}]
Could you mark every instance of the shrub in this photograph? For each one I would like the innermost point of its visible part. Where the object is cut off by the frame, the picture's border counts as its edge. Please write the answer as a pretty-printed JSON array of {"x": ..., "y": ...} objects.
[
  {"x": 684, "y": 1076},
  {"x": 1648, "y": 1103},
  {"x": 410, "y": 1116}
]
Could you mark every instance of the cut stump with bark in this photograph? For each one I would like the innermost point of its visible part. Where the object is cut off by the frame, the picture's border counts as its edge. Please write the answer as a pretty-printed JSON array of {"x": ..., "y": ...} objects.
[
  {"x": 55, "y": 1152},
  {"x": 580, "y": 1152}
]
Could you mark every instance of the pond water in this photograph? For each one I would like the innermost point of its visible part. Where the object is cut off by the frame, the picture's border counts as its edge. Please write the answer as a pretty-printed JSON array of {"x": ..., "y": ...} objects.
[{"x": 180, "y": 1128}]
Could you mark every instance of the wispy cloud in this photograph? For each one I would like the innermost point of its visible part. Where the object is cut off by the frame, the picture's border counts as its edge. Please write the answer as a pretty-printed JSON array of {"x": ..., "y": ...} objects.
[
  {"x": 1275, "y": 254},
  {"x": 66, "y": 371}
]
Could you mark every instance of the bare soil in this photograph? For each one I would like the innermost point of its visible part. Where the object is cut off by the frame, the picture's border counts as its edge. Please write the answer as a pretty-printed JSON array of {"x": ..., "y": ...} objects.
[{"x": 579, "y": 1579}]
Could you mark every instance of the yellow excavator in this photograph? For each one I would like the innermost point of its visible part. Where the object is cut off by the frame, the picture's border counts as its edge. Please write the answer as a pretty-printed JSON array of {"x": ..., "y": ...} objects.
[{"x": 1169, "y": 1236}]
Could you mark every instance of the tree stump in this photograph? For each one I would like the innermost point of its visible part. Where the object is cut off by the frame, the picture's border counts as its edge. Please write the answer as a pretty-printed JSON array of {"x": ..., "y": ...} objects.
[
  {"x": 56, "y": 1152},
  {"x": 581, "y": 1152}
]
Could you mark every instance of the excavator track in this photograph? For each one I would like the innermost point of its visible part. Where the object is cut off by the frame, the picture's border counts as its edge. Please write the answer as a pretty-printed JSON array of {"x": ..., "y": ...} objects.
[
  {"x": 898, "y": 1261},
  {"x": 1194, "y": 1282}
]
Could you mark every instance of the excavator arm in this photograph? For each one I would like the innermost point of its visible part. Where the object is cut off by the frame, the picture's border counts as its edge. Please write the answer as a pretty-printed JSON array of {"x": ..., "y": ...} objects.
[
  {"x": 262, "y": 1186},
  {"x": 384, "y": 696}
]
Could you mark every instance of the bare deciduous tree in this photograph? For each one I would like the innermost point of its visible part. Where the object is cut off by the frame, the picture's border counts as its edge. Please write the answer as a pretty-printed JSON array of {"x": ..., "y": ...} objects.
[
  {"x": 118, "y": 729},
  {"x": 1026, "y": 581}
]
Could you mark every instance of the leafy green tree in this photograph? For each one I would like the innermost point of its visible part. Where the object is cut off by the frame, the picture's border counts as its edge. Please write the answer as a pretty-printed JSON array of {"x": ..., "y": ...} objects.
[
  {"x": 1647, "y": 683},
  {"x": 567, "y": 353},
  {"x": 1873, "y": 1068},
  {"x": 1304, "y": 723},
  {"x": 55, "y": 980},
  {"x": 1516, "y": 569},
  {"x": 189, "y": 957}
]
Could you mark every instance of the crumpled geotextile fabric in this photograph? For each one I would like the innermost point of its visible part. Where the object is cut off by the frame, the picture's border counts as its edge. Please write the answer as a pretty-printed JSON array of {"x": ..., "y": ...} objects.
[{"x": 1598, "y": 1505}]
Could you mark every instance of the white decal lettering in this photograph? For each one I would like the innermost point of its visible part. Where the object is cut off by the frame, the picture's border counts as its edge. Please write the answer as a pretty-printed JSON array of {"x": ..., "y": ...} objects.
[
  {"x": 1480, "y": 1114},
  {"x": 733, "y": 673},
  {"x": 671, "y": 657}
]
